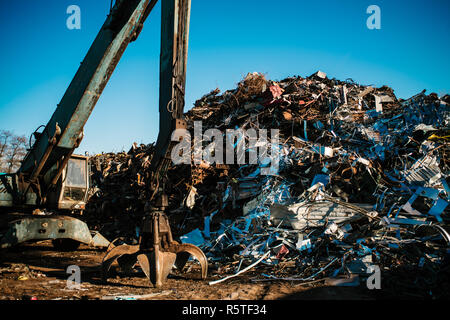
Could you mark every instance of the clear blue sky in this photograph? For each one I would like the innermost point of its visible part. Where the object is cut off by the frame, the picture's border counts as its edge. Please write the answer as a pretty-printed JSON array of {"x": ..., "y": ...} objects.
[{"x": 39, "y": 56}]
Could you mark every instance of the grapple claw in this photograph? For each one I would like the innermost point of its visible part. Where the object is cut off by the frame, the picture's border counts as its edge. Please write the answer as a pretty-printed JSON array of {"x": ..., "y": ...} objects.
[
  {"x": 185, "y": 250},
  {"x": 156, "y": 266},
  {"x": 144, "y": 262},
  {"x": 114, "y": 254},
  {"x": 156, "y": 252}
]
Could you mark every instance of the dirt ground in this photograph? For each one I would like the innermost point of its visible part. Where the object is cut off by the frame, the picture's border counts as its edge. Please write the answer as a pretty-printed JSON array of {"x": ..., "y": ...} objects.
[{"x": 36, "y": 271}]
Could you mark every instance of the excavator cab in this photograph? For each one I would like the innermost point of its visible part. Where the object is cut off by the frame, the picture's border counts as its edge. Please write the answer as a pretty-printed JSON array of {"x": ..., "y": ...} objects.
[
  {"x": 72, "y": 191},
  {"x": 66, "y": 232},
  {"x": 69, "y": 193}
]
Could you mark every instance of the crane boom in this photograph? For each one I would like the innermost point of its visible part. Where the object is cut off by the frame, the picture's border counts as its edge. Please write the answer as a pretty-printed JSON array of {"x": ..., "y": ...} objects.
[{"x": 64, "y": 131}]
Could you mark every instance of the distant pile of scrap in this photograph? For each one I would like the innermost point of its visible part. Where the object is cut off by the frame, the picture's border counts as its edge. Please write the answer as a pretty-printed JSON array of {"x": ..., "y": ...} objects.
[{"x": 118, "y": 190}]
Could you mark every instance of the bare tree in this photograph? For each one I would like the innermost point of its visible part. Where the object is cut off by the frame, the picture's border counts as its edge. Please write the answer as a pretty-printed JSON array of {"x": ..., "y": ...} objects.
[
  {"x": 12, "y": 151},
  {"x": 5, "y": 136},
  {"x": 16, "y": 152}
]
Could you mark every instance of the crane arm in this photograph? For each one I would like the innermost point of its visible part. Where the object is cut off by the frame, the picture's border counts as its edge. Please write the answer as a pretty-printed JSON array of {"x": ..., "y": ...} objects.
[
  {"x": 175, "y": 21},
  {"x": 64, "y": 131}
]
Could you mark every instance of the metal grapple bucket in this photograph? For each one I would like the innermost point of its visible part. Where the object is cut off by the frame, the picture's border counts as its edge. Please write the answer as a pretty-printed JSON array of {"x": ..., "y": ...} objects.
[{"x": 156, "y": 252}]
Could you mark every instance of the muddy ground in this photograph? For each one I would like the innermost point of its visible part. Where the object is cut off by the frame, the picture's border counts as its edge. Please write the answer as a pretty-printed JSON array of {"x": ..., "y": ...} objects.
[{"x": 37, "y": 271}]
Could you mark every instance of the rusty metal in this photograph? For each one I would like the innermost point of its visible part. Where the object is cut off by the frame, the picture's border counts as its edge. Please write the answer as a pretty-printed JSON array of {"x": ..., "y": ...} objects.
[
  {"x": 37, "y": 228},
  {"x": 51, "y": 144},
  {"x": 65, "y": 161},
  {"x": 156, "y": 252},
  {"x": 114, "y": 254}
]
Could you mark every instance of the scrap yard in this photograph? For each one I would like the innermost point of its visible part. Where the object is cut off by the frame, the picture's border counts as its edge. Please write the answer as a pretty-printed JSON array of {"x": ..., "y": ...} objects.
[
  {"x": 361, "y": 184},
  {"x": 308, "y": 186}
]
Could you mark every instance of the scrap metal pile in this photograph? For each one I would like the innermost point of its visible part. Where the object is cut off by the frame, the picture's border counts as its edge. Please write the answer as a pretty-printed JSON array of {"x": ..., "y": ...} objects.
[{"x": 362, "y": 183}]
